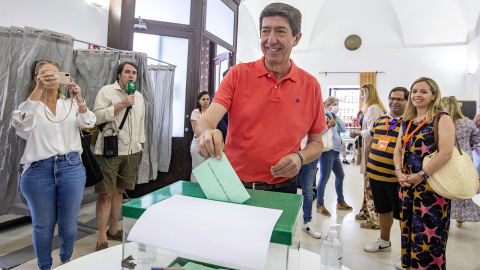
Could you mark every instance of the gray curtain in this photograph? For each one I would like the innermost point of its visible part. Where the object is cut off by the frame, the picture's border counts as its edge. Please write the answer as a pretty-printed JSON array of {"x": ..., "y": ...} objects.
[
  {"x": 26, "y": 46},
  {"x": 148, "y": 166},
  {"x": 162, "y": 77},
  {"x": 93, "y": 69}
]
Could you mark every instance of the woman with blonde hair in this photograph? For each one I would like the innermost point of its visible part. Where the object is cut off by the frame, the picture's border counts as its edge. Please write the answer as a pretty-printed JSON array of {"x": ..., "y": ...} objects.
[
  {"x": 424, "y": 215},
  {"x": 373, "y": 108},
  {"x": 463, "y": 210},
  {"x": 330, "y": 160}
]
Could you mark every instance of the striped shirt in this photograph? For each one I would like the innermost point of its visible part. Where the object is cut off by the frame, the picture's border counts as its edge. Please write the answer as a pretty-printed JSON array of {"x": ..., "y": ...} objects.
[{"x": 380, "y": 163}]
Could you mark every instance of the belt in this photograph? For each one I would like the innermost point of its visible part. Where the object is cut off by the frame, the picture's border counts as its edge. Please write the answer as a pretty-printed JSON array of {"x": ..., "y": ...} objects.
[{"x": 265, "y": 186}]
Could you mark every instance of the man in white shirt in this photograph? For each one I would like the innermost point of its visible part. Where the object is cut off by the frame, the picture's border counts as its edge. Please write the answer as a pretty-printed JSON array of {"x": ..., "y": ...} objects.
[{"x": 120, "y": 172}]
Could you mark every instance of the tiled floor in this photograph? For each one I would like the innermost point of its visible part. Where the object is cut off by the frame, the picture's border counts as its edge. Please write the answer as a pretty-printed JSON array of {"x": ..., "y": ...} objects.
[{"x": 463, "y": 247}]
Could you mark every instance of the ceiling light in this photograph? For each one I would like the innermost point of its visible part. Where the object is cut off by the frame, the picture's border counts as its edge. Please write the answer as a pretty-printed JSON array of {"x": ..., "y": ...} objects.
[{"x": 98, "y": 3}]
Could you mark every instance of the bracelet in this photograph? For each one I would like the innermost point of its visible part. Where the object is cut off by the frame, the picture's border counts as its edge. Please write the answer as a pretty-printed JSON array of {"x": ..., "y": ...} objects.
[
  {"x": 81, "y": 103},
  {"x": 301, "y": 158}
]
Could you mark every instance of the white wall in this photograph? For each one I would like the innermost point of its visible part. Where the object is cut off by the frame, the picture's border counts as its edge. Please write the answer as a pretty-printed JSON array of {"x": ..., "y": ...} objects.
[
  {"x": 72, "y": 17},
  {"x": 473, "y": 80},
  {"x": 446, "y": 65}
]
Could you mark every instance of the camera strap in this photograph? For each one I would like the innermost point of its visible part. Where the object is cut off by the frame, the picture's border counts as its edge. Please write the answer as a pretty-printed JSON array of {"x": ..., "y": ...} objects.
[{"x": 124, "y": 118}]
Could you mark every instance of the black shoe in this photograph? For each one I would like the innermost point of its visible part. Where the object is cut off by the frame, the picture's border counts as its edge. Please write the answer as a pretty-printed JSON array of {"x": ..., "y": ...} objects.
[{"x": 345, "y": 162}]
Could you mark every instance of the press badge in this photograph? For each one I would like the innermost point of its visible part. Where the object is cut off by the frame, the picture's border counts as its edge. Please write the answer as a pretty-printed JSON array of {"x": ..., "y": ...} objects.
[{"x": 383, "y": 142}]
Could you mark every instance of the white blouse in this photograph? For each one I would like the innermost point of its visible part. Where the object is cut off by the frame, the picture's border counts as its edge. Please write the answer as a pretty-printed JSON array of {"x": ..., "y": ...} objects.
[{"x": 45, "y": 138}]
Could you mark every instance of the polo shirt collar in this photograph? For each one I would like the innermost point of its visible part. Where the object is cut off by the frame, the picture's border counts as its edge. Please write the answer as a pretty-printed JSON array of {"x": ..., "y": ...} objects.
[
  {"x": 261, "y": 70},
  {"x": 390, "y": 115}
]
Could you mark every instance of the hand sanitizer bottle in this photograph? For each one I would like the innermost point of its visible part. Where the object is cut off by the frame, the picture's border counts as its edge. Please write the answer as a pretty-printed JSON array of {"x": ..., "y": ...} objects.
[{"x": 331, "y": 253}]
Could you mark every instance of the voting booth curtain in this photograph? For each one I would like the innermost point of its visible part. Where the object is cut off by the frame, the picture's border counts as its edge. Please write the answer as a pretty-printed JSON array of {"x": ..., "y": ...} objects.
[{"x": 91, "y": 69}]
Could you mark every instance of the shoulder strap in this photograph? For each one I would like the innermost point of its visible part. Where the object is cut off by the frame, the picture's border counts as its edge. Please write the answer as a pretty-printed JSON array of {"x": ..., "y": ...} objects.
[
  {"x": 436, "y": 119},
  {"x": 435, "y": 130}
]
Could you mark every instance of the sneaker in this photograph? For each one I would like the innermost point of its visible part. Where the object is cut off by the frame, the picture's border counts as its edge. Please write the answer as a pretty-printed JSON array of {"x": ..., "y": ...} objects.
[
  {"x": 102, "y": 245},
  {"x": 378, "y": 246},
  {"x": 399, "y": 266},
  {"x": 345, "y": 162},
  {"x": 310, "y": 229},
  {"x": 118, "y": 236}
]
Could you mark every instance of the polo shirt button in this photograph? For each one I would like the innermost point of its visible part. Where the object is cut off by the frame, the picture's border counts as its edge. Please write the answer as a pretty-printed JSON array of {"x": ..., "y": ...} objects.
[
  {"x": 269, "y": 75},
  {"x": 275, "y": 86}
]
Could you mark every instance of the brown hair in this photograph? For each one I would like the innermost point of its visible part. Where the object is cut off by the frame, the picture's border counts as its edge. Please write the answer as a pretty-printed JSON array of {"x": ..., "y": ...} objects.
[
  {"x": 293, "y": 15},
  {"x": 433, "y": 108},
  {"x": 329, "y": 101},
  {"x": 35, "y": 69},
  {"x": 120, "y": 67},
  {"x": 450, "y": 104}
]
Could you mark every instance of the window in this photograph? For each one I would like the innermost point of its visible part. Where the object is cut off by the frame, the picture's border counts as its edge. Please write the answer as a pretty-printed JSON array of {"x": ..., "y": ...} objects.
[
  {"x": 172, "y": 50},
  {"x": 173, "y": 11},
  {"x": 220, "y": 20},
  {"x": 348, "y": 99}
]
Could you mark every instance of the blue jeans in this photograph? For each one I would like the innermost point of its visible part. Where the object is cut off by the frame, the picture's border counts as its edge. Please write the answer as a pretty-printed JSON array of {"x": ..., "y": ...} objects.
[
  {"x": 53, "y": 188},
  {"x": 330, "y": 161},
  {"x": 307, "y": 177}
]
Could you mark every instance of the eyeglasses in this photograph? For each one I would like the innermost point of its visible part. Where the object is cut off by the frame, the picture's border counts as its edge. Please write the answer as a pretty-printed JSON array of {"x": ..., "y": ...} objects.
[
  {"x": 396, "y": 99},
  {"x": 393, "y": 124}
]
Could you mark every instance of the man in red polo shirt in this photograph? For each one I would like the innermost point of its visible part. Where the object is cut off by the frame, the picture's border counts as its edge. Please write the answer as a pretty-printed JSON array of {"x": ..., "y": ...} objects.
[{"x": 272, "y": 105}]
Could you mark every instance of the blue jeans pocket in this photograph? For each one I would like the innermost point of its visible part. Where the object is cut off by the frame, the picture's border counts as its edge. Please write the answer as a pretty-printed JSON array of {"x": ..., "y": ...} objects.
[
  {"x": 35, "y": 163},
  {"x": 74, "y": 159}
]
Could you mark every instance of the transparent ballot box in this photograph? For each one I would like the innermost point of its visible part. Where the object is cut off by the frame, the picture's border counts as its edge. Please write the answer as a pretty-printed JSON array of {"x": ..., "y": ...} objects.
[{"x": 139, "y": 256}]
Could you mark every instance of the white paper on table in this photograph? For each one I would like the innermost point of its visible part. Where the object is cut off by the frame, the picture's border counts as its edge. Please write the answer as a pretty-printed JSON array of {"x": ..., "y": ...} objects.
[{"x": 227, "y": 232}]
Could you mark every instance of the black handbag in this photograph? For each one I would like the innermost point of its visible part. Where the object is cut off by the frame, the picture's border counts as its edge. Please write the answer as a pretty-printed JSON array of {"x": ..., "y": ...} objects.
[{"x": 92, "y": 168}]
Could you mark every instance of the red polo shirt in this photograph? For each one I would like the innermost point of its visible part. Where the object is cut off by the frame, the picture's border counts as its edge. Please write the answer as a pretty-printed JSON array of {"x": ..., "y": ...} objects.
[{"x": 267, "y": 119}]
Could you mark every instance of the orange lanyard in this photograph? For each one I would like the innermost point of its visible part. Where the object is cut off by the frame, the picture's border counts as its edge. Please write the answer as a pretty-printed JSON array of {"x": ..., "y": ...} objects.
[
  {"x": 388, "y": 127},
  {"x": 408, "y": 136},
  {"x": 202, "y": 111}
]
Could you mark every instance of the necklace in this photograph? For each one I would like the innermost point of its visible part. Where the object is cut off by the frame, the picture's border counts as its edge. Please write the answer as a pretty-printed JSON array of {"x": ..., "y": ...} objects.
[{"x": 415, "y": 122}]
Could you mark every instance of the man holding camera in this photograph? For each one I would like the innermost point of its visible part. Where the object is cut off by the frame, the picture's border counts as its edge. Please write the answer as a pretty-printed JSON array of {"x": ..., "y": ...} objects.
[
  {"x": 272, "y": 105},
  {"x": 113, "y": 105}
]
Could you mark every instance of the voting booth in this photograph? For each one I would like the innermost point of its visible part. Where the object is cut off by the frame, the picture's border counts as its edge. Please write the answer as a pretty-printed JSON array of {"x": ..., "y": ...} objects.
[{"x": 166, "y": 252}]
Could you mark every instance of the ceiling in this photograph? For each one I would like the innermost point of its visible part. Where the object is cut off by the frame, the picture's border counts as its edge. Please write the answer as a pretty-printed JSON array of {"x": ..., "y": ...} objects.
[{"x": 379, "y": 23}]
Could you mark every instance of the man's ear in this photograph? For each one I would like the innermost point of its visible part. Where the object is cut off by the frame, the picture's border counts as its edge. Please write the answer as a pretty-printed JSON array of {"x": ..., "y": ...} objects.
[{"x": 297, "y": 38}]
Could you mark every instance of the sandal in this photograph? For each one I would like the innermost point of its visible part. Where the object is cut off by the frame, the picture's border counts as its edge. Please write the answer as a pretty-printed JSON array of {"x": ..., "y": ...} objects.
[
  {"x": 100, "y": 246},
  {"x": 369, "y": 225},
  {"x": 343, "y": 206},
  {"x": 323, "y": 211},
  {"x": 360, "y": 217}
]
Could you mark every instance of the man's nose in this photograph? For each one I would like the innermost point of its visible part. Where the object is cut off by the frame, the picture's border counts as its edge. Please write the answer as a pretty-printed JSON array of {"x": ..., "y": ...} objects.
[{"x": 272, "y": 38}]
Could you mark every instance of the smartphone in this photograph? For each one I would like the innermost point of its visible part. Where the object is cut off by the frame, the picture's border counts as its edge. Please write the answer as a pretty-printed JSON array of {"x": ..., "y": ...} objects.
[{"x": 62, "y": 77}]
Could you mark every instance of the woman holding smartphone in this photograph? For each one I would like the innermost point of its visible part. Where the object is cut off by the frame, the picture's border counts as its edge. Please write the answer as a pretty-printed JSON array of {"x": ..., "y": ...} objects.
[{"x": 53, "y": 178}]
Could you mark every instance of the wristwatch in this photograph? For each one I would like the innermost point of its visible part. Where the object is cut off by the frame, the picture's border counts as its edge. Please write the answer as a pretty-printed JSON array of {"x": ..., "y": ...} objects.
[{"x": 423, "y": 174}]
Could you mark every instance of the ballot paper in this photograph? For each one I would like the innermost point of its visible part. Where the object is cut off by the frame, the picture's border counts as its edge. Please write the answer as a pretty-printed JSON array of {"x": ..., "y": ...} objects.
[
  {"x": 219, "y": 181},
  {"x": 226, "y": 232}
]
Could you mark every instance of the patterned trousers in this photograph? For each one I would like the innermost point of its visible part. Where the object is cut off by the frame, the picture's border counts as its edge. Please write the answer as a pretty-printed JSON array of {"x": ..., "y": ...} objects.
[{"x": 368, "y": 207}]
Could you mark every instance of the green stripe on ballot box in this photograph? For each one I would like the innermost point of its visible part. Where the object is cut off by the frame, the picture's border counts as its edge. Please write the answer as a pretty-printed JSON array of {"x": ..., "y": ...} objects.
[{"x": 282, "y": 232}]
